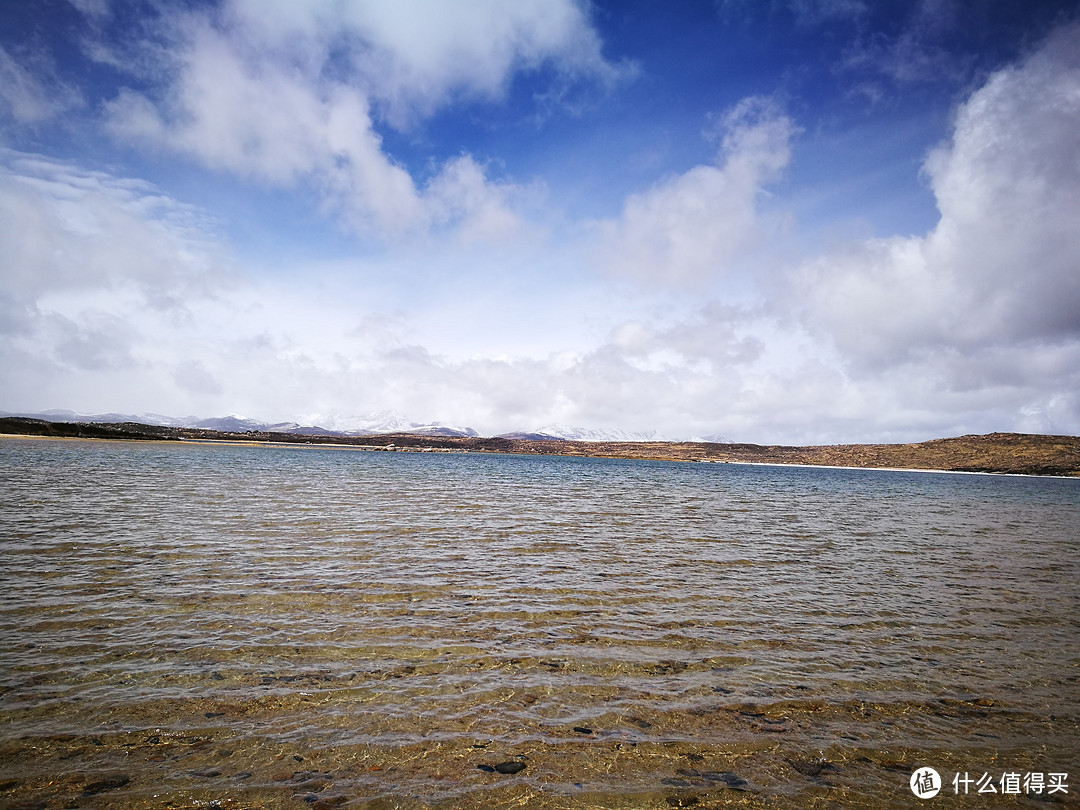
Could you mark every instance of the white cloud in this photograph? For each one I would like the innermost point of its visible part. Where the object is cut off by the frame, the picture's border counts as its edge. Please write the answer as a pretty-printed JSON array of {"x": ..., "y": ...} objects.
[
  {"x": 288, "y": 93},
  {"x": 126, "y": 305},
  {"x": 995, "y": 285},
  {"x": 94, "y": 269},
  {"x": 30, "y": 92},
  {"x": 1000, "y": 265},
  {"x": 115, "y": 297},
  {"x": 481, "y": 210},
  {"x": 1008, "y": 187},
  {"x": 692, "y": 227},
  {"x": 425, "y": 52},
  {"x": 909, "y": 53},
  {"x": 259, "y": 116},
  {"x": 68, "y": 229}
]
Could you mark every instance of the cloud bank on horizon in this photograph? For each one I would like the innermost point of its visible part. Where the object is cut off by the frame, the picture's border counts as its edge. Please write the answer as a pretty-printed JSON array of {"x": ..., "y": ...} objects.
[{"x": 799, "y": 221}]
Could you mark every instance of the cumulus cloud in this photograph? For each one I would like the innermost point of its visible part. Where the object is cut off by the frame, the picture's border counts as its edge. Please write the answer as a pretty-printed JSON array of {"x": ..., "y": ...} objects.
[
  {"x": 423, "y": 52},
  {"x": 1001, "y": 263},
  {"x": 1008, "y": 188},
  {"x": 998, "y": 275},
  {"x": 256, "y": 115},
  {"x": 691, "y": 227},
  {"x": 294, "y": 93},
  {"x": 481, "y": 210},
  {"x": 974, "y": 325}
]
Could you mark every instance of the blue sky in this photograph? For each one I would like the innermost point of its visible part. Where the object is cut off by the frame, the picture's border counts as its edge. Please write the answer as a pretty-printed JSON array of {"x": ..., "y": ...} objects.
[{"x": 774, "y": 221}]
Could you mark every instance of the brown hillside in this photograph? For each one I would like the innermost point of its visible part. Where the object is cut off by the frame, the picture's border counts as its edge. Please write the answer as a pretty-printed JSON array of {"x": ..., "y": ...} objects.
[{"x": 1028, "y": 454}]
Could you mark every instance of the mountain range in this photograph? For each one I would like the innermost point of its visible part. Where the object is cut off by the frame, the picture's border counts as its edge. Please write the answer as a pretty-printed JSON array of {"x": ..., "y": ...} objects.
[
  {"x": 575, "y": 434},
  {"x": 1015, "y": 453},
  {"x": 334, "y": 424}
]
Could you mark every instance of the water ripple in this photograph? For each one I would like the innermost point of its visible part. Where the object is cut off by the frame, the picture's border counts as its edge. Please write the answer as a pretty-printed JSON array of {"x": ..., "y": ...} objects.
[{"x": 263, "y": 623}]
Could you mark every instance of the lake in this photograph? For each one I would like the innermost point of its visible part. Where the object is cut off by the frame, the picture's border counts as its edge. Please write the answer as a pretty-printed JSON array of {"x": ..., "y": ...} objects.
[{"x": 209, "y": 625}]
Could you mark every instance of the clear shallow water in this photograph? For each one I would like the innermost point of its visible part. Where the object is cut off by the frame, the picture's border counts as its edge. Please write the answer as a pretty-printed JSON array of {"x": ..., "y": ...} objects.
[{"x": 254, "y": 626}]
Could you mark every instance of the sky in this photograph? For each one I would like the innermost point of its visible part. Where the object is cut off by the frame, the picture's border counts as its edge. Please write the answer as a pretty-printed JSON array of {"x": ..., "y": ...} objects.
[{"x": 773, "y": 221}]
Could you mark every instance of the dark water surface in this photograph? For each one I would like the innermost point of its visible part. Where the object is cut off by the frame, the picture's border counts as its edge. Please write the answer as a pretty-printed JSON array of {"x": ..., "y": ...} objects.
[{"x": 234, "y": 626}]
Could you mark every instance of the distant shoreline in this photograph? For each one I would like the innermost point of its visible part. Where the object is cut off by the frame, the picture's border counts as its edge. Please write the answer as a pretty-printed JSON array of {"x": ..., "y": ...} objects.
[
  {"x": 898, "y": 469},
  {"x": 1000, "y": 453},
  {"x": 369, "y": 448}
]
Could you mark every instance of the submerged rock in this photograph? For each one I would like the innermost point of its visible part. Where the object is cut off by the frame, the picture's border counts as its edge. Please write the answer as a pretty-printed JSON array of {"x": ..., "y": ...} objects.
[
  {"x": 108, "y": 783},
  {"x": 811, "y": 768},
  {"x": 728, "y": 778}
]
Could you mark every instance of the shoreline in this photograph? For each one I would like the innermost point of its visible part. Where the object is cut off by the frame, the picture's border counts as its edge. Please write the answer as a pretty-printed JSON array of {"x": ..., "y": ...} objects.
[
  {"x": 893, "y": 469},
  {"x": 577, "y": 452}
]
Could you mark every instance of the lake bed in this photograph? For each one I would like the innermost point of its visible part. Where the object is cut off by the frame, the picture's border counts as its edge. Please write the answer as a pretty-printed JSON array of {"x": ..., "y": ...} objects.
[{"x": 198, "y": 625}]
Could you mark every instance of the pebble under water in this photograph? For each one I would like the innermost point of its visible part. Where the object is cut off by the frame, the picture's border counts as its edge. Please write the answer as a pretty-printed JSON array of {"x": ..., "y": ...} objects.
[{"x": 198, "y": 625}]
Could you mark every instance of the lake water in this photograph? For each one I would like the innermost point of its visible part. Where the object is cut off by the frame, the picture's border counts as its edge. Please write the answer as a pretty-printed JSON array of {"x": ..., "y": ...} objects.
[{"x": 189, "y": 625}]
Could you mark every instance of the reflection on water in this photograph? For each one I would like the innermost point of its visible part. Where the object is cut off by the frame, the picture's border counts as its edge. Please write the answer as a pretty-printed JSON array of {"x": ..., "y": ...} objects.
[{"x": 187, "y": 625}]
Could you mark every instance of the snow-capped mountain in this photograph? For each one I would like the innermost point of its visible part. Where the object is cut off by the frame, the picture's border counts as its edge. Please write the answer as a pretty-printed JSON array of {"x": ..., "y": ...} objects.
[
  {"x": 596, "y": 434},
  {"x": 375, "y": 422},
  {"x": 62, "y": 415},
  {"x": 231, "y": 423},
  {"x": 369, "y": 425},
  {"x": 714, "y": 438},
  {"x": 335, "y": 423},
  {"x": 378, "y": 422}
]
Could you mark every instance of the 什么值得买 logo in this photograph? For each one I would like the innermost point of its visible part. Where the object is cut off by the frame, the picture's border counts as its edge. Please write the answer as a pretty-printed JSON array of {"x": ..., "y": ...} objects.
[{"x": 925, "y": 783}]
